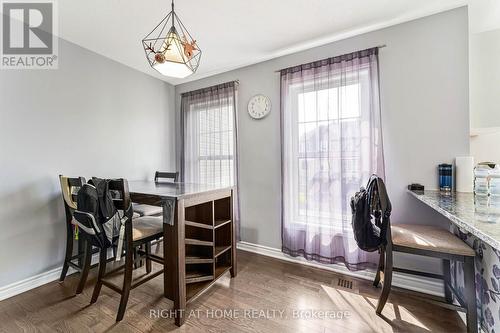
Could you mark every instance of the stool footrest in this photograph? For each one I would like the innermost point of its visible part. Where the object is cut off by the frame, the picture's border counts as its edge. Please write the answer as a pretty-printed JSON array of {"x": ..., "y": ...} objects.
[
  {"x": 442, "y": 304},
  {"x": 412, "y": 272}
]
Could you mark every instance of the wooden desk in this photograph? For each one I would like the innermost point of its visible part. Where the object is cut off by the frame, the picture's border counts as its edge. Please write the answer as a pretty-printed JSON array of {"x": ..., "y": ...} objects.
[{"x": 199, "y": 243}]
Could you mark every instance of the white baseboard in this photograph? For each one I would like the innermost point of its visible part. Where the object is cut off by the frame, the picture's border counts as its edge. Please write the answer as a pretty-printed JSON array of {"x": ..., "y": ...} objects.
[
  {"x": 32, "y": 282},
  {"x": 419, "y": 284},
  {"x": 36, "y": 281},
  {"x": 406, "y": 281}
]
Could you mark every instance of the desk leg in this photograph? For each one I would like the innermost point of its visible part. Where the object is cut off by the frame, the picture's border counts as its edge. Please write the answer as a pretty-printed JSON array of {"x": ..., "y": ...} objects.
[
  {"x": 176, "y": 264},
  {"x": 233, "y": 270},
  {"x": 167, "y": 261}
]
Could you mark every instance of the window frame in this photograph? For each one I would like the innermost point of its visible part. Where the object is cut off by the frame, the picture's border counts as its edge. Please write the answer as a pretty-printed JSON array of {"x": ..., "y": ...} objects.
[
  {"x": 206, "y": 106},
  {"x": 295, "y": 89}
]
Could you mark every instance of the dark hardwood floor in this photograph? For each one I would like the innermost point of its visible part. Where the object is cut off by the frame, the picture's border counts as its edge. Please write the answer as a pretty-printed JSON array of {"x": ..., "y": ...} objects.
[{"x": 263, "y": 285}]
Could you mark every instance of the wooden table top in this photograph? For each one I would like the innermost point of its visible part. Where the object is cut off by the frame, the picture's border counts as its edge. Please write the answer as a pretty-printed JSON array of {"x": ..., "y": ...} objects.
[{"x": 172, "y": 190}]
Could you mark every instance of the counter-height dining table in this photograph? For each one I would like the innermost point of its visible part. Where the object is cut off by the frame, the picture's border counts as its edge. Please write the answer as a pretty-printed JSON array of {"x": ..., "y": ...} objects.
[{"x": 199, "y": 243}]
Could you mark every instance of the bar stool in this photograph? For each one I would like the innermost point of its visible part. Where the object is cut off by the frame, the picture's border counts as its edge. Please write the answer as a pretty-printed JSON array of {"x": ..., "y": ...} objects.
[
  {"x": 83, "y": 257},
  {"x": 138, "y": 232},
  {"x": 69, "y": 187},
  {"x": 433, "y": 242}
]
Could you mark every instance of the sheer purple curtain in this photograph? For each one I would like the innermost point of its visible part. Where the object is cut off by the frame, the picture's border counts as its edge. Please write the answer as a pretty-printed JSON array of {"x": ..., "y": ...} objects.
[
  {"x": 209, "y": 138},
  {"x": 332, "y": 143}
]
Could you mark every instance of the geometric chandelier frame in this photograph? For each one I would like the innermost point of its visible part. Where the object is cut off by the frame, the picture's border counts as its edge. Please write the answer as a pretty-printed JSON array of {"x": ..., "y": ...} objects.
[{"x": 170, "y": 49}]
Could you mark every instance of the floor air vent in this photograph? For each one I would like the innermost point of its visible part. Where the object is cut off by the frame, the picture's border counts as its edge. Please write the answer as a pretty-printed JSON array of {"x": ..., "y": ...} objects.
[{"x": 344, "y": 283}]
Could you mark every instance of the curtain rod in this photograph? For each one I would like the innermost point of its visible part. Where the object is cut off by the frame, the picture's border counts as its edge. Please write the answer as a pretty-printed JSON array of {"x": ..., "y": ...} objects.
[
  {"x": 236, "y": 82},
  {"x": 279, "y": 70}
]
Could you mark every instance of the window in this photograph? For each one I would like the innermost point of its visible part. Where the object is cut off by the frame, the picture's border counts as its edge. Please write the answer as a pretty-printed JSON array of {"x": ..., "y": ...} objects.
[
  {"x": 215, "y": 145},
  {"x": 209, "y": 136},
  {"x": 326, "y": 147},
  {"x": 332, "y": 143}
]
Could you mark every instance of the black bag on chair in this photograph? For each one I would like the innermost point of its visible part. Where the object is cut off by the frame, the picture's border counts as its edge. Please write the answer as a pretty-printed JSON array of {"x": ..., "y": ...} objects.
[
  {"x": 96, "y": 213},
  {"x": 371, "y": 210}
]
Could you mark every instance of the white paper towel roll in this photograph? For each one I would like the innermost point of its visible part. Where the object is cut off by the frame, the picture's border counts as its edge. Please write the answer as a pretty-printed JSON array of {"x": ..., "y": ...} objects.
[{"x": 464, "y": 173}]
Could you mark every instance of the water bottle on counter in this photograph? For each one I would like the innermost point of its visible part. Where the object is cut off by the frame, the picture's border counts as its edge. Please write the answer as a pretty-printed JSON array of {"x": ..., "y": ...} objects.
[
  {"x": 494, "y": 183},
  {"x": 445, "y": 172},
  {"x": 481, "y": 180},
  {"x": 487, "y": 191},
  {"x": 494, "y": 189},
  {"x": 482, "y": 207},
  {"x": 487, "y": 179}
]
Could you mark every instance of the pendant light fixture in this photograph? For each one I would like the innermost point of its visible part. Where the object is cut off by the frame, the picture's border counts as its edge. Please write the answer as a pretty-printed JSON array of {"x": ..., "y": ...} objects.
[{"x": 170, "y": 49}]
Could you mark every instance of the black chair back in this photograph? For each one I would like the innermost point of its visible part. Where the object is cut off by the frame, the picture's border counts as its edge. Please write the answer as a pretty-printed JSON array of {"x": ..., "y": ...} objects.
[
  {"x": 120, "y": 193},
  {"x": 172, "y": 177},
  {"x": 69, "y": 189}
]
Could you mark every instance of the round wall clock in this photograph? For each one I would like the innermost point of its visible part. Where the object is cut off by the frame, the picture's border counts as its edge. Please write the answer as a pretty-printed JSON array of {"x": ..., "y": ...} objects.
[{"x": 259, "y": 106}]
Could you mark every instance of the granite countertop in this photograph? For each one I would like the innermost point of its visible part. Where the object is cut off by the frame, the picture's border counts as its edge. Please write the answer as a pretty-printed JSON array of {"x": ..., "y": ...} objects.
[{"x": 478, "y": 215}]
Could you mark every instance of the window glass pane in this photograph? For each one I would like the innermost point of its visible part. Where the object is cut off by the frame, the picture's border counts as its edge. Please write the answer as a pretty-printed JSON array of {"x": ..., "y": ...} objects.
[
  {"x": 326, "y": 158},
  {"x": 215, "y": 148},
  {"x": 204, "y": 145},
  {"x": 349, "y": 96},
  {"x": 226, "y": 119},
  {"x": 327, "y": 109},
  {"x": 307, "y": 106},
  {"x": 308, "y": 139}
]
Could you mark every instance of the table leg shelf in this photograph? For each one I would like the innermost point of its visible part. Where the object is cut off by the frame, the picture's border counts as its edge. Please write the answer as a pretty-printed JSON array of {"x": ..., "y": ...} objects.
[{"x": 208, "y": 241}]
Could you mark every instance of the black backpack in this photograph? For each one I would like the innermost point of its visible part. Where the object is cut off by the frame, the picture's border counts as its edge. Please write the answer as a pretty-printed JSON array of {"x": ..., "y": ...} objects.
[
  {"x": 371, "y": 211},
  {"x": 96, "y": 214}
]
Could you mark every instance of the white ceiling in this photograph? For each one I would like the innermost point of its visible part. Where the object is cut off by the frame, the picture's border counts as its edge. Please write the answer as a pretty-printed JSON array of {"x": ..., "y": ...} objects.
[
  {"x": 231, "y": 33},
  {"x": 484, "y": 15}
]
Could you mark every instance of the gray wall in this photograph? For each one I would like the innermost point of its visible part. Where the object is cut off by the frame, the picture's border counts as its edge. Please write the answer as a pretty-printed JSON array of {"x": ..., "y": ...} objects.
[
  {"x": 91, "y": 117},
  {"x": 424, "y": 93},
  {"x": 485, "y": 79}
]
